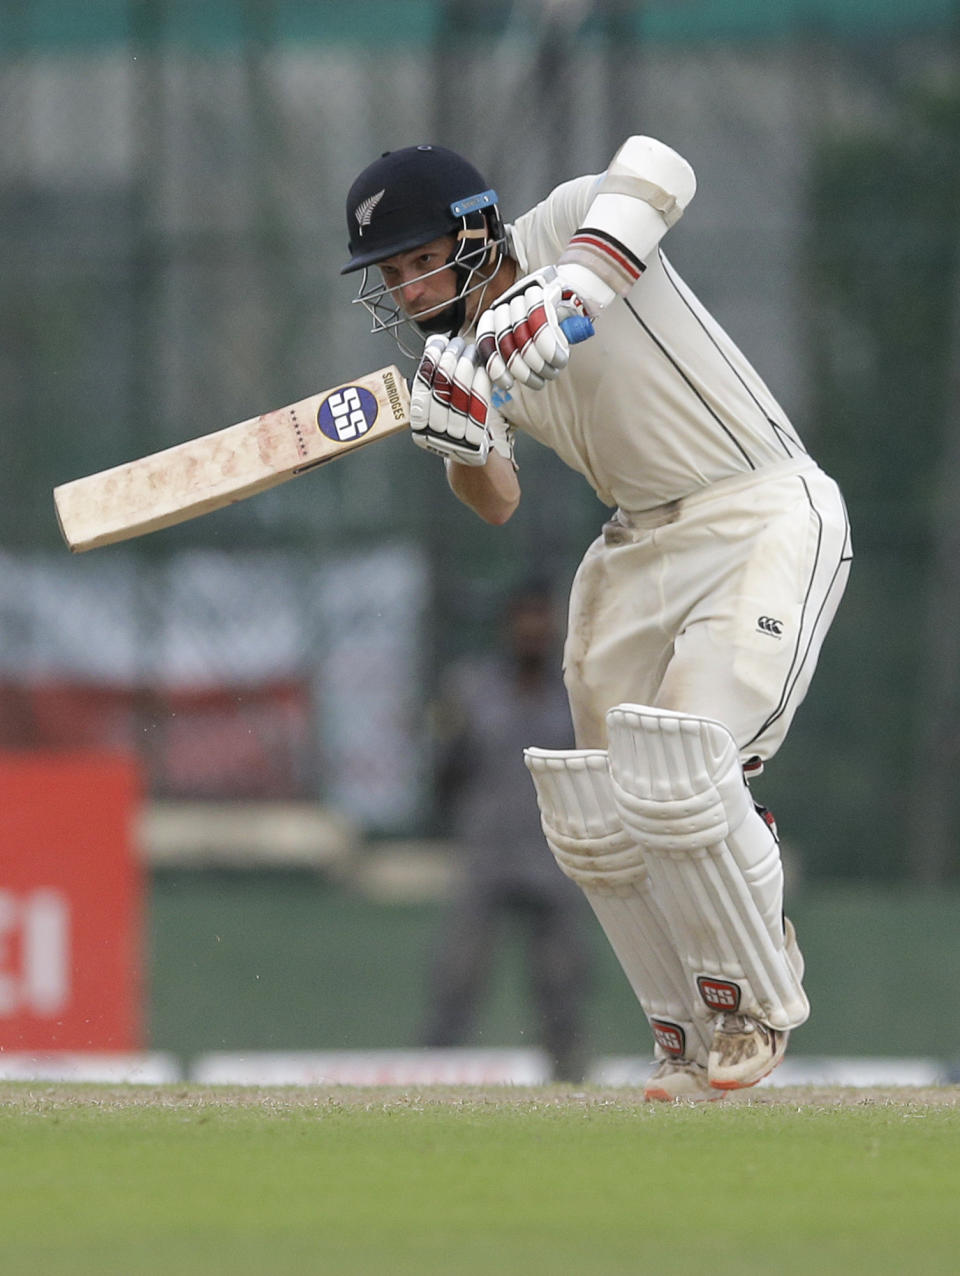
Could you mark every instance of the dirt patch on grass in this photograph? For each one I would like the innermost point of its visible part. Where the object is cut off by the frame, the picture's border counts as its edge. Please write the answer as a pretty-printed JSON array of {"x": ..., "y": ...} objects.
[{"x": 46, "y": 1097}]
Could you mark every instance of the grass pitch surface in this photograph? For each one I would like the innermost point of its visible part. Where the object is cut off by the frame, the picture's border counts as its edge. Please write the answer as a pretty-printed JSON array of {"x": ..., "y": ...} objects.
[{"x": 184, "y": 1181}]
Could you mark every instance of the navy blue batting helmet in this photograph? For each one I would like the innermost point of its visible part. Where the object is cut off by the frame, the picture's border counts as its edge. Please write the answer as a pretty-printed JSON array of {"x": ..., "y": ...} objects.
[{"x": 411, "y": 196}]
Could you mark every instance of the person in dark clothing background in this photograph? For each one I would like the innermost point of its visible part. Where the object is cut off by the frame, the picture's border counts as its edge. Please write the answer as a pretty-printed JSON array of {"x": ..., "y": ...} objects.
[{"x": 489, "y": 708}]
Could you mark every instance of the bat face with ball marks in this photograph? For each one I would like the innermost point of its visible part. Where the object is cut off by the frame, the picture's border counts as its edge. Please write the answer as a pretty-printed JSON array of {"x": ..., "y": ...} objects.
[{"x": 214, "y": 470}]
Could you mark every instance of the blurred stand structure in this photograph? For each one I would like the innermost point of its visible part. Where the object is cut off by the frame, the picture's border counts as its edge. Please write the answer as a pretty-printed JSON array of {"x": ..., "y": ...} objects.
[
  {"x": 490, "y": 708},
  {"x": 171, "y": 185}
]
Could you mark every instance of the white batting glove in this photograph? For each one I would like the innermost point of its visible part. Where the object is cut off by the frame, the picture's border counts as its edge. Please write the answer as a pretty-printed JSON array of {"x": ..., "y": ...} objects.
[
  {"x": 450, "y": 410},
  {"x": 520, "y": 338}
]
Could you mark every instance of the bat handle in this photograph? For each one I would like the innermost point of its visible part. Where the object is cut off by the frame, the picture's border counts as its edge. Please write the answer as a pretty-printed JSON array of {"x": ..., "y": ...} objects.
[{"x": 577, "y": 328}]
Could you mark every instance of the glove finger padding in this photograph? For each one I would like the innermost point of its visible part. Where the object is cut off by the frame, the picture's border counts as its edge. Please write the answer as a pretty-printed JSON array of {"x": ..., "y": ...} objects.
[
  {"x": 542, "y": 346},
  {"x": 548, "y": 336},
  {"x": 489, "y": 351},
  {"x": 422, "y": 389},
  {"x": 526, "y": 316},
  {"x": 520, "y": 337},
  {"x": 449, "y": 404},
  {"x": 471, "y": 395},
  {"x": 444, "y": 417}
]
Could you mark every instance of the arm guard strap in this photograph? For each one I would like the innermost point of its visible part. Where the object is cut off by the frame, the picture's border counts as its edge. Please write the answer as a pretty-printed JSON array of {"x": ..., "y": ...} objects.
[{"x": 643, "y": 193}]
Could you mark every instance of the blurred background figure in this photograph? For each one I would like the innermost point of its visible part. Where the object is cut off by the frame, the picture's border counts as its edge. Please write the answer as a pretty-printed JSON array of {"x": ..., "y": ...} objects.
[{"x": 491, "y": 708}]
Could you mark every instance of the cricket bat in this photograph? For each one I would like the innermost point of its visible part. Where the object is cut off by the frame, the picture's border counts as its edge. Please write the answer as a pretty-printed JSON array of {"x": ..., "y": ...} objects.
[{"x": 229, "y": 465}]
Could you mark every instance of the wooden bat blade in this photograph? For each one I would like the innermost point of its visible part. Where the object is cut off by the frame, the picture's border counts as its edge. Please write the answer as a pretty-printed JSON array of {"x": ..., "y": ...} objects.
[{"x": 214, "y": 470}]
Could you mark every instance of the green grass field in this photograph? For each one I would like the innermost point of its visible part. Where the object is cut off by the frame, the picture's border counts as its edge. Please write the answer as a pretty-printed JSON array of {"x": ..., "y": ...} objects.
[{"x": 182, "y": 1180}]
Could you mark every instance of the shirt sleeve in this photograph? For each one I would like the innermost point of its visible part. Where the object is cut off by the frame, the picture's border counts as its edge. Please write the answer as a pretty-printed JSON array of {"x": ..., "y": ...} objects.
[{"x": 540, "y": 236}]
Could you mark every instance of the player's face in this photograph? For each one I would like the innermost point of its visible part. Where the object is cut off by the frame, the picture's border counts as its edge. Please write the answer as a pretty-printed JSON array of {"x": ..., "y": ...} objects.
[{"x": 420, "y": 279}]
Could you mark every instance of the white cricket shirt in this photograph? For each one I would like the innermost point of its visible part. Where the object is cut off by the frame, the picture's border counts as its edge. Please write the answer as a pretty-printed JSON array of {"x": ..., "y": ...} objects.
[{"x": 660, "y": 402}]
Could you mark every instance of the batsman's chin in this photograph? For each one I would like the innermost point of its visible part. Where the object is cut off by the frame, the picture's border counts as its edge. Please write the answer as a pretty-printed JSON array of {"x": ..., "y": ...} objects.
[{"x": 430, "y": 322}]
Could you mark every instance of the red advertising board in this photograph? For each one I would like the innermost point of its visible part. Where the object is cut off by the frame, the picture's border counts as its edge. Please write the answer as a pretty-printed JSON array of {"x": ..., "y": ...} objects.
[
  {"x": 70, "y": 903},
  {"x": 218, "y": 742}
]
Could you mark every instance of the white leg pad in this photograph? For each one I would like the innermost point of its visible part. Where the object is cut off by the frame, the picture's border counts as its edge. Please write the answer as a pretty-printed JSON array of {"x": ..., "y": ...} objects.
[
  {"x": 584, "y": 832},
  {"x": 713, "y": 861}
]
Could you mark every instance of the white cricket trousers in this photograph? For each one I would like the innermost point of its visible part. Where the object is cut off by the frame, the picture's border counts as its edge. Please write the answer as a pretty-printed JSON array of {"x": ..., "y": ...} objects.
[{"x": 715, "y": 605}]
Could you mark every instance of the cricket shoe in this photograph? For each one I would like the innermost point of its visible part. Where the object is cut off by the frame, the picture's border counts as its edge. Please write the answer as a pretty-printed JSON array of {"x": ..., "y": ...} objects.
[
  {"x": 680, "y": 1081},
  {"x": 743, "y": 1052}
]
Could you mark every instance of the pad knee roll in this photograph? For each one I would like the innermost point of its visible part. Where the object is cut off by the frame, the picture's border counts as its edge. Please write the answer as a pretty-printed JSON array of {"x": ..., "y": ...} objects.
[{"x": 580, "y": 820}]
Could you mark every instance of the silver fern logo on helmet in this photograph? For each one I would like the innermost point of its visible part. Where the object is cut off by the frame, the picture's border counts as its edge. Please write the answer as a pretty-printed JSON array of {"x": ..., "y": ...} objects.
[{"x": 364, "y": 210}]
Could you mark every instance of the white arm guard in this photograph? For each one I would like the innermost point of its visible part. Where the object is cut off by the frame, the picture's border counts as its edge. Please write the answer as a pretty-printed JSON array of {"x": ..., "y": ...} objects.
[{"x": 642, "y": 194}]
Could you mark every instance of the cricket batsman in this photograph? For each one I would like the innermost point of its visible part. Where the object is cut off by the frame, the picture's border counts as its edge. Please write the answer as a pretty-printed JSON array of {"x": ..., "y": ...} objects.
[{"x": 697, "y": 615}]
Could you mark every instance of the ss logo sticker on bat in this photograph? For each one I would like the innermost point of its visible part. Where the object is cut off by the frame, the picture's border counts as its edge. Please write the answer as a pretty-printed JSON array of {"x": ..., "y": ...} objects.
[{"x": 347, "y": 413}]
